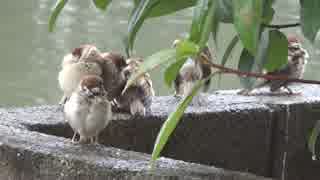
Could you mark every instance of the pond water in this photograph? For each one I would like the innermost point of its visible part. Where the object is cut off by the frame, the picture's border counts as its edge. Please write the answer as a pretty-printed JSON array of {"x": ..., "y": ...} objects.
[{"x": 31, "y": 55}]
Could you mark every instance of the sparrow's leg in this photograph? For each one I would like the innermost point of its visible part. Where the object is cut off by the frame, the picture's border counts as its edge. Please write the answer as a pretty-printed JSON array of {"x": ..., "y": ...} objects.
[
  {"x": 63, "y": 100},
  {"x": 73, "y": 140},
  {"x": 96, "y": 139},
  {"x": 137, "y": 107},
  {"x": 245, "y": 92},
  {"x": 176, "y": 95},
  {"x": 83, "y": 139},
  {"x": 289, "y": 90}
]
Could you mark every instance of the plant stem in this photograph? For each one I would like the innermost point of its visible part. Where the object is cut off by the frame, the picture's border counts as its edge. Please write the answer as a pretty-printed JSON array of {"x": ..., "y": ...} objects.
[
  {"x": 281, "y": 26},
  {"x": 258, "y": 75}
]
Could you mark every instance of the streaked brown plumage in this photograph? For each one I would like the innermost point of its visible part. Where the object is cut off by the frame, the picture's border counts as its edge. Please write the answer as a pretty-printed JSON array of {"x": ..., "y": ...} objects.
[
  {"x": 192, "y": 71},
  {"x": 88, "y": 110},
  {"x": 114, "y": 80},
  {"x": 297, "y": 59},
  {"x": 111, "y": 65},
  {"x": 74, "y": 68},
  {"x": 137, "y": 98}
]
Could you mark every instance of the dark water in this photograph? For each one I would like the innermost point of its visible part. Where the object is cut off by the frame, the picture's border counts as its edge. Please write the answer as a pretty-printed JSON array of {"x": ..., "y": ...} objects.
[{"x": 31, "y": 55}]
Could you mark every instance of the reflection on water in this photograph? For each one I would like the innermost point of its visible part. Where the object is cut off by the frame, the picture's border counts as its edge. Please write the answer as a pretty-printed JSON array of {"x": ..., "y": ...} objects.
[{"x": 31, "y": 56}]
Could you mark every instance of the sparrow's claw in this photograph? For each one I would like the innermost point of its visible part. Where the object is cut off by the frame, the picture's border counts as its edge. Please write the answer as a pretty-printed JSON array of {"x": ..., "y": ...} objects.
[
  {"x": 290, "y": 92},
  {"x": 244, "y": 92}
]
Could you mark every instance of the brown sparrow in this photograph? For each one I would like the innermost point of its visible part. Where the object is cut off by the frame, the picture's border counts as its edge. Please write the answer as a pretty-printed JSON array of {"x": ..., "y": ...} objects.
[
  {"x": 137, "y": 98},
  {"x": 74, "y": 68},
  {"x": 192, "y": 71},
  {"x": 297, "y": 60},
  {"x": 88, "y": 110},
  {"x": 112, "y": 66}
]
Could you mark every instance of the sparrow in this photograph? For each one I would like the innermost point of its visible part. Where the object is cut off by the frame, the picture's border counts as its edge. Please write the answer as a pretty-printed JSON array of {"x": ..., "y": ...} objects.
[
  {"x": 138, "y": 97},
  {"x": 74, "y": 68},
  {"x": 112, "y": 73},
  {"x": 192, "y": 71},
  {"x": 295, "y": 67},
  {"x": 88, "y": 110}
]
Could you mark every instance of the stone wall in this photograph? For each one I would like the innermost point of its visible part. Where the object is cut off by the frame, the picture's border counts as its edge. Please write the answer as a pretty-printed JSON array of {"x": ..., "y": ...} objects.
[{"x": 262, "y": 134}]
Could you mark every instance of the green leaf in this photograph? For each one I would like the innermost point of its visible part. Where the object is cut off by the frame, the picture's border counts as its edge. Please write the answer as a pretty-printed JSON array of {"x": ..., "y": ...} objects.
[
  {"x": 229, "y": 49},
  {"x": 246, "y": 64},
  {"x": 172, "y": 71},
  {"x": 273, "y": 50},
  {"x": 186, "y": 47},
  {"x": 225, "y": 10},
  {"x": 56, "y": 11},
  {"x": 137, "y": 18},
  {"x": 206, "y": 29},
  {"x": 247, "y": 21},
  {"x": 101, "y": 4},
  {"x": 202, "y": 20},
  {"x": 184, "y": 50},
  {"x": 309, "y": 15},
  {"x": 200, "y": 12},
  {"x": 165, "y": 7},
  {"x": 268, "y": 11},
  {"x": 152, "y": 62},
  {"x": 215, "y": 28},
  {"x": 227, "y": 54},
  {"x": 172, "y": 121},
  {"x": 313, "y": 140}
]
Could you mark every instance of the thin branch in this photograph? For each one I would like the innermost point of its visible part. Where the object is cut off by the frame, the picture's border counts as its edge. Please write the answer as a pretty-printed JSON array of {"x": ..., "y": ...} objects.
[
  {"x": 258, "y": 75},
  {"x": 281, "y": 26}
]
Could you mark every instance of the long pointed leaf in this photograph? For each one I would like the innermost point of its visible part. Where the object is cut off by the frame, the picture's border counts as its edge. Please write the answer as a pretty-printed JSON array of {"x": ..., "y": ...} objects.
[
  {"x": 56, "y": 11},
  {"x": 313, "y": 140},
  {"x": 102, "y": 4},
  {"x": 172, "y": 71},
  {"x": 206, "y": 29},
  {"x": 227, "y": 54},
  {"x": 172, "y": 121},
  {"x": 215, "y": 28},
  {"x": 152, "y": 62},
  {"x": 246, "y": 64},
  {"x": 274, "y": 50},
  {"x": 184, "y": 50},
  {"x": 166, "y": 7},
  {"x": 137, "y": 18},
  {"x": 309, "y": 13},
  {"x": 229, "y": 49},
  {"x": 247, "y": 21},
  {"x": 199, "y": 15},
  {"x": 174, "y": 118}
]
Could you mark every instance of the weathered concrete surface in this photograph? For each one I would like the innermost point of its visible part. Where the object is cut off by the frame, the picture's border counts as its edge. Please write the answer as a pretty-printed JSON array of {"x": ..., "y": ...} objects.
[
  {"x": 265, "y": 135},
  {"x": 26, "y": 155},
  {"x": 293, "y": 119},
  {"x": 212, "y": 134}
]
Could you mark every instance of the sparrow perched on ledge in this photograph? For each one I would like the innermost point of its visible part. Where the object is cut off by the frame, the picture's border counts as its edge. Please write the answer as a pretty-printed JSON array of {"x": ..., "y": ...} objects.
[
  {"x": 73, "y": 69},
  {"x": 88, "y": 110},
  {"x": 114, "y": 80},
  {"x": 137, "y": 98},
  {"x": 192, "y": 71},
  {"x": 297, "y": 60}
]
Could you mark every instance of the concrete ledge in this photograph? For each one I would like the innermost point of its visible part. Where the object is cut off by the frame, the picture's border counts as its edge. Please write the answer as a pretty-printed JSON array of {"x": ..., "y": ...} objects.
[
  {"x": 264, "y": 135},
  {"x": 26, "y": 155}
]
